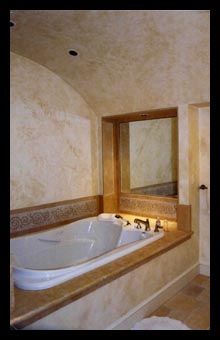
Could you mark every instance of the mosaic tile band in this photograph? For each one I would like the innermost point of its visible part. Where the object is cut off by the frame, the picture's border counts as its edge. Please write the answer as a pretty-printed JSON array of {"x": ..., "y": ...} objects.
[
  {"x": 150, "y": 207},
  {"x": 26, "y": 220}
]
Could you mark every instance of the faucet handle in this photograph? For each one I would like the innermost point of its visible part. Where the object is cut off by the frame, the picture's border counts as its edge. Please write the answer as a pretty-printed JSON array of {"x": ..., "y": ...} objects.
[
  {"x": 157, "y": 227},
  {"x": 118, "y": 216},
  {"x": 147, "y": 225},
  {"x": 138, "y": 226}
]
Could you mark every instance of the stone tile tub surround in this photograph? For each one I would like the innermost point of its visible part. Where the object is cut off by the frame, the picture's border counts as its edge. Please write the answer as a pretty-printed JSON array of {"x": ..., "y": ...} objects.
[{"x": 106, "y": 293}]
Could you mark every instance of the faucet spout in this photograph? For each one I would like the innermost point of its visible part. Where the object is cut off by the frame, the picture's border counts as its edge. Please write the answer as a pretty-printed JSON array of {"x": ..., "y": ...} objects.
[
  {"x": 146, "y": 223},
  {"x": 123, "y": 219}
]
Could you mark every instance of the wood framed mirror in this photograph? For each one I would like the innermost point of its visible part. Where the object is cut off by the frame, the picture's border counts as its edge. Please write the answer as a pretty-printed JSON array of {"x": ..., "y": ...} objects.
[{"x": 130, "y": 143}]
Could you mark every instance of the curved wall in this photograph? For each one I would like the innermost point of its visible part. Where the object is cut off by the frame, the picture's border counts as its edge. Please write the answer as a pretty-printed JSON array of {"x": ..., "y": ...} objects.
[{"x": 53, "y": 137}]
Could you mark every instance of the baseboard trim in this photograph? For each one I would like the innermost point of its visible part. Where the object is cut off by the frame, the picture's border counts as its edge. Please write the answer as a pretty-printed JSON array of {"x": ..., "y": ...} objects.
[
  {"x": 150, "y": 304},
  {"x": 204, "y": 269}
]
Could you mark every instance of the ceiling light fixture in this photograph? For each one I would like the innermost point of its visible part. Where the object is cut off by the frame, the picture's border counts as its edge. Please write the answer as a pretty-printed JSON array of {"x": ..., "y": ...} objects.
[{"x": 73, "y": 53}]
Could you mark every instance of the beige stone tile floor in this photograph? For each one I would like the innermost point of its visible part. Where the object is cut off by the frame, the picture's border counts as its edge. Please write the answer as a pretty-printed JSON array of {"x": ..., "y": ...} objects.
[{"x": 191, "y": 304}]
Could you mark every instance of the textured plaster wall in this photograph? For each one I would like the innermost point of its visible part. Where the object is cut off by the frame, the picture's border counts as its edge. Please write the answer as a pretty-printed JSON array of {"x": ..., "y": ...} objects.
[
  {"x": 204, "y": 176},
  {"x": 194, "y": 170},
  {"x": 193, "y": 154},
  {"x": 54, "y": 138},
  {"x": 153, "y": 152},
  {"x": 129, "y": 60}
]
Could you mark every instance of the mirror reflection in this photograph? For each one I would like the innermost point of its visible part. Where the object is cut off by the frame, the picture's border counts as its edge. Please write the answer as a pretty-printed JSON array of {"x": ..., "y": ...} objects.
[{"x": 148, "y": 152}]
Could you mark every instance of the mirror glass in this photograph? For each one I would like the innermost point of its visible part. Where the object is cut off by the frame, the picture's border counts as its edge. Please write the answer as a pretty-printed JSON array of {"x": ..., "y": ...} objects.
[{"x": 148, "y": 152}]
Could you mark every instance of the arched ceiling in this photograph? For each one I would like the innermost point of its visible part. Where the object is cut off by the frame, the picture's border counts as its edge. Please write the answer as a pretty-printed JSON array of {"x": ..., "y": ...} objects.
[{"x": 128, "y": 60}]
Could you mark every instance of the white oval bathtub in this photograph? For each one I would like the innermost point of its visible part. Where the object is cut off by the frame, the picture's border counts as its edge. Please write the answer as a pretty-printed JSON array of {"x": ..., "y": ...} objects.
[{"x": 45, "y": 259}]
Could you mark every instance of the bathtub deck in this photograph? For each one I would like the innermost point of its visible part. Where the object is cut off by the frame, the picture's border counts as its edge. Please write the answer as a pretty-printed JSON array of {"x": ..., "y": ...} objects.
[{"x": 31, "y": 306}]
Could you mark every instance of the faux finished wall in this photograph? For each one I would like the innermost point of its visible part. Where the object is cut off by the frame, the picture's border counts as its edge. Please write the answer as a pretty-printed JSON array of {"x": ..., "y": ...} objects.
[
  {"x": 54, "y": 138},
  {"x": 129, "y": 60},
  {"x": 194, "y": 170},
  {"x": 204, "y": 178}
]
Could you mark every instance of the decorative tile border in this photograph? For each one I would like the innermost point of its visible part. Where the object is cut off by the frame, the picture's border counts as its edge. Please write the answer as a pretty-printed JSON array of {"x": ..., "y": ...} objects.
[
  {"x": 149, "y": 207},
  {"x": 53, "y": 214}
]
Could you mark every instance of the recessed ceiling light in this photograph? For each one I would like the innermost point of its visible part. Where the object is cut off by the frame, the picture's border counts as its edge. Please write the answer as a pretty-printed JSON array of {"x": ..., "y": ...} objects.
[
  {"x": 72, "y": 52},
  {"x": 12, "y": 24}
]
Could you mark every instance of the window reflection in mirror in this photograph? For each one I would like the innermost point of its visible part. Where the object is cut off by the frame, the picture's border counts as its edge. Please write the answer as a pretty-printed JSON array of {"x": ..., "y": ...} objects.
[{"x": 148, "y": 157}]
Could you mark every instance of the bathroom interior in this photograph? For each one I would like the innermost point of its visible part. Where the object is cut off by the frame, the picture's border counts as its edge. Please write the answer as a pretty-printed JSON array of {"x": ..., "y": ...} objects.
[{"x": 110, "y": 114}]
